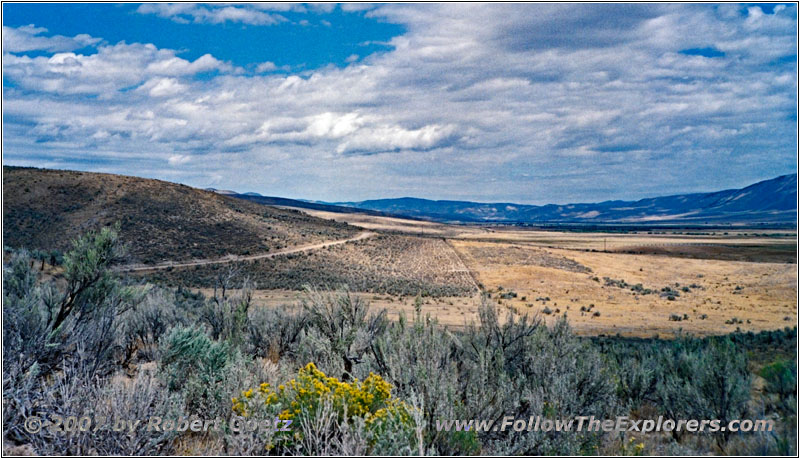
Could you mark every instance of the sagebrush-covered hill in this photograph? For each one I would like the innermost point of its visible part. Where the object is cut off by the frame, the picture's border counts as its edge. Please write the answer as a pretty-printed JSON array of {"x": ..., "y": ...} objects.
[{"x": 46, "y": 209}]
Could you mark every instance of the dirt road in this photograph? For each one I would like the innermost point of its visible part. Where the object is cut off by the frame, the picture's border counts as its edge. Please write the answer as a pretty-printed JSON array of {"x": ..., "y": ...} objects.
[{"x": 235, "y": 258}]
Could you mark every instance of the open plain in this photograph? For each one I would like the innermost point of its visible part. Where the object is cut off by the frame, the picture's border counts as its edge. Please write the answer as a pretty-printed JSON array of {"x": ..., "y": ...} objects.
[{"x": 629, "y": 282}]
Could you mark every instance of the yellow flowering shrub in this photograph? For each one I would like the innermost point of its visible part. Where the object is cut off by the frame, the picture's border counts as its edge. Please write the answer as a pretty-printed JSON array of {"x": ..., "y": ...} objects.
[
  {"x": 632, "y": 448},
  {"x": 370, "y": 399}
]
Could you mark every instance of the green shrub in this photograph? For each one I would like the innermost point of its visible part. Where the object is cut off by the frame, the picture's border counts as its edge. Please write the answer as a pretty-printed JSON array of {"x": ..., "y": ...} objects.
[
  {"x": 704, "y": 380},
  {"x": 188, "y": 349},
  {"x": 76, "y": 318},
  {"x": 143, "y": 326},
  {"x": 197, "y": 366},
  {"x": 781, "y": 378},
  {"x": 419, "y": 359},
  {"x": 227, "y": 316}
]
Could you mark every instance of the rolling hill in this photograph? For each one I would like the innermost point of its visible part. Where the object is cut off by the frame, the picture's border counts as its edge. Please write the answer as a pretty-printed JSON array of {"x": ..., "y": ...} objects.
[
  {"x": 769, "y": 201},
  {"x": 46, "y": 209}
]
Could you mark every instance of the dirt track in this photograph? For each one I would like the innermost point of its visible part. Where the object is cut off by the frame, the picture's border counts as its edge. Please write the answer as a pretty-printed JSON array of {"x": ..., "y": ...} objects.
[{"x": 235, "y": 258}]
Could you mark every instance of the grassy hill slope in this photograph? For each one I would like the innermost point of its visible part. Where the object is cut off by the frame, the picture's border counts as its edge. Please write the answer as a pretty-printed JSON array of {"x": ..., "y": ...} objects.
[{"x": 46, "y": 209}]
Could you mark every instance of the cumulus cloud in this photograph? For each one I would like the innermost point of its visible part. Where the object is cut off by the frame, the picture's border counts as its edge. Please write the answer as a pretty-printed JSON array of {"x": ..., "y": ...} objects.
[
  {"x": 161, "y": 87},
  {"x": 388, "y": 138},
  {"x": 176, "y": 160},
  {"x": 352, "y": 133},
  {"x": 266, "y": 67},
  {"x": 529, "y": 103},
  {"x": 31, "y": 38},
  {"x": 110, "y": 69}
]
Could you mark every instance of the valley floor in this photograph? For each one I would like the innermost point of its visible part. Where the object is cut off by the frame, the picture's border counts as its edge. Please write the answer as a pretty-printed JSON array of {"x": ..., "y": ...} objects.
[
  {"x": 639, "y": 295},
  {"x": 636, "y": 284}
]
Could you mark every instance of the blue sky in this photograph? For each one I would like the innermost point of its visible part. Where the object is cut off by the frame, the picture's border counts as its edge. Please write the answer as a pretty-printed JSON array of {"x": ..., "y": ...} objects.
[
  {"x": 529, "y": 103},
  {"x": 298, "y": 39}
]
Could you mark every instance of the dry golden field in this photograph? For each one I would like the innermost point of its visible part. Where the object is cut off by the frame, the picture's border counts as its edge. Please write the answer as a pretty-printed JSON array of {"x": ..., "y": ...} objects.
[
  {"x": 719, "y": 280},
  {"x": 761, "y": 296},
  {"x": 401, "y": 225}
]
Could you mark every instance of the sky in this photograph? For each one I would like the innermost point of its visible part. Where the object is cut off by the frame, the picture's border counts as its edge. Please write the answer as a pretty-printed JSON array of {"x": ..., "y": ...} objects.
[{"x": 527, "y": 103}]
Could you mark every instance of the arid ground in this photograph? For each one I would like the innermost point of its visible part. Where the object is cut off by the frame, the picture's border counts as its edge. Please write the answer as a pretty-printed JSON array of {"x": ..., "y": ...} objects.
[
  {"x": 633, "y": 284},
  {"x": 631, "y": 281}
]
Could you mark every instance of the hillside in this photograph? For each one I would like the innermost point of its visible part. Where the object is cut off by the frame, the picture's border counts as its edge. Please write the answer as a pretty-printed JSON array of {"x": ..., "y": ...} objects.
[
  {"x": 46, "y": 209},
  {"x": 387, "y": 264},
  {"x": 769, "y": 201}
]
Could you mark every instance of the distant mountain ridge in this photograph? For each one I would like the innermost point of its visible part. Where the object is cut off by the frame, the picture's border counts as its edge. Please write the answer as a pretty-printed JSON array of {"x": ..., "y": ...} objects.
[{"x": 768, "y": 201}]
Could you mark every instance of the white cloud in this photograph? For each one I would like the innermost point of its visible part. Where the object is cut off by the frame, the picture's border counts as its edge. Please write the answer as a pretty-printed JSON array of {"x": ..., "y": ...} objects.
[
  {"x": 489, "y": 102},
  {"x": 111, "y": 69},
  {"x": 177, "y": 160},
  {"x": 30, "y": 38},
  {"x": 389, "y": 138},
  {"x": 334, "y": 126},
  {"x": 266, "y": 67},
  {"x": 161, "y": 87},
  {"x": 176, "y": 66},
  {"x": 350, "y": 132},
  {"x": 215, "y": 14}
]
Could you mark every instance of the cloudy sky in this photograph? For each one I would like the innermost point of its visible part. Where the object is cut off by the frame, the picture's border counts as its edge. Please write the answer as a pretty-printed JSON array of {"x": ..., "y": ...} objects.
[{"x": 528, "y": 103}]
